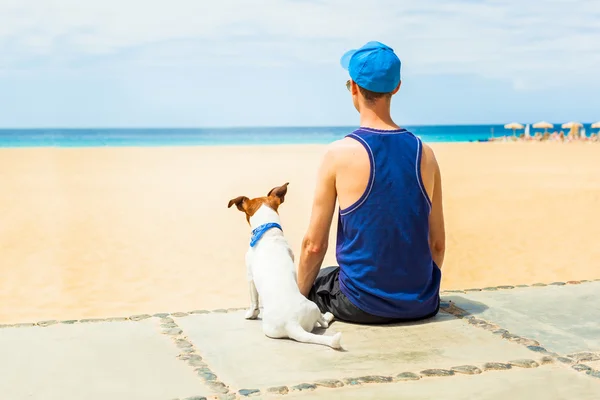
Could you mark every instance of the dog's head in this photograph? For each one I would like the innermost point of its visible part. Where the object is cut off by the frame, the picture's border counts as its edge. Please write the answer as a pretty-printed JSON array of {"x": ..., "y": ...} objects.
[{"x": 273, "y": 200}]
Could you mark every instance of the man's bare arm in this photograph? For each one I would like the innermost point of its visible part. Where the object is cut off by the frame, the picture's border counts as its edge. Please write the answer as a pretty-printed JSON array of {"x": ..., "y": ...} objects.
[
  {"x": 315, "y": 242},
  {"x": 437, "y": 232}
]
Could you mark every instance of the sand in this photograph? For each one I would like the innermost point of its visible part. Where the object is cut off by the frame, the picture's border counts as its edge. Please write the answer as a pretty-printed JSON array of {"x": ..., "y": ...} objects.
[{"x": 105, "y": 232}]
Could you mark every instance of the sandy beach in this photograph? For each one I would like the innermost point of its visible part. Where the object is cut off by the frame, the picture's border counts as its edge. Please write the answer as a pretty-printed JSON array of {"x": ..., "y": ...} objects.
[{"x": 103, "y": 232}]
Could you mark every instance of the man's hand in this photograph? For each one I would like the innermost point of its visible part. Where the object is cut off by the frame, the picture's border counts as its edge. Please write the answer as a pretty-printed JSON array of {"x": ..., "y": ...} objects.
[{"x": 314, "y": 244}]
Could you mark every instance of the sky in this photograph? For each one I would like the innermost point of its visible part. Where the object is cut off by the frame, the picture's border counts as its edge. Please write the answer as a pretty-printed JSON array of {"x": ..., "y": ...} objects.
[{"x": 222, "y": 63}]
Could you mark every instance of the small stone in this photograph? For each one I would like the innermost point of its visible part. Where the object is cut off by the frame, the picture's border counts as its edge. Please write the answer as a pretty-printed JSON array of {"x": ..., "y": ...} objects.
[
  {"x": 220, "y": 311},
  {"x": 521, "y": 286},
  {"x": 235, "y": 309},
  {"x": 351, "y": 381},
  {"x": 168, "y": 326},
  {"x": 248, "y": 392},
  {"x": 92, "y": 320},
  {"x": 329, "y": 383},
  {"x": 375, "y": 379},
  {"x": 437, "y": 372},
  {"x": 496, "y": 366},
  {"x": 180, "y": 314},
  {"x": 546, "y": 360},
  {"x": 167, "y": 320},
  {"x": 195, "y": 398},
  {"x": 476, "y": 322},
  {"x": 490, "y": 327},
  {"x": 593, "y": 373},
  {"x": 539, "y": 284},
  {"x": 584, "y": 356},
  {"x": 229, "y": 396},
  {"x": 161, "y": 315},
  {"x": 524, "y": 363},
  {"x": 139, "y": 317},
  {"x": 454, "y": 291},
  {"x": 557, "y": 284},
  {"x": 188, "y": 350},
  {"x": 207, "y": 376},
  {"x": 69, "y": 322},
  {"x": 472, "y": 290},
  {"x": 183, "y": 344},
  {"x": 197, "y": 363},
  {"x": 407, "y": 376},
  {"x": 506, "y": 287},
  {"x": 574, "y": 282},
  {"x": 199, "y": 312},
  {"x": 581, "y": 367},
  {"x": 490, "y": 289},
  {"x": 47, "y": 323},
  {"x": 565, "y": 360},
  {"x": 218, "y": 387},
  {"x": 510, "y": 336},
  {"x": 528, "y": 342},
  {"x": 278, "y": 390},
  {"x": 304, "y": 386},
  {"x": 500, "y": 332},
  {"x": 172, "y": 331},
  {"x": 117, "y": 319},
  {"x": 466, "y": 369},
  {"x": 23, "y": 325},
  {"x": 537, "y": 349}
]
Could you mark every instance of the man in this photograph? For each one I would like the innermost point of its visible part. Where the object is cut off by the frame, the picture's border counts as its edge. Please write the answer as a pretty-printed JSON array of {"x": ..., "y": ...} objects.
[{"x": 390, "y": 239}]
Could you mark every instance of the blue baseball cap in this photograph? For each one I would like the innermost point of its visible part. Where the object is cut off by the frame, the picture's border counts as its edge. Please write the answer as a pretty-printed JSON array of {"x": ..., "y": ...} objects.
[{"x": 374, "y": 67}]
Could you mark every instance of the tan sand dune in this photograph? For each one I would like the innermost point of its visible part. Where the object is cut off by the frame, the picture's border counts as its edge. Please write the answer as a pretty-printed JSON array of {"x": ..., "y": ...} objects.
[{"x": 119, "y": 231}]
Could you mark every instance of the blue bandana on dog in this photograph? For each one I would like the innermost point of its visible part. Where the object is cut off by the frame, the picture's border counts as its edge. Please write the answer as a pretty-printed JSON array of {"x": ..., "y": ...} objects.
[{"x": 258, "y": 233}]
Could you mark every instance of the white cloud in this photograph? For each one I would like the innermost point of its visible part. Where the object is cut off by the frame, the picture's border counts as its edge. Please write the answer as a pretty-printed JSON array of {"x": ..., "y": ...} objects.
[{"x": 527, "y": 43}]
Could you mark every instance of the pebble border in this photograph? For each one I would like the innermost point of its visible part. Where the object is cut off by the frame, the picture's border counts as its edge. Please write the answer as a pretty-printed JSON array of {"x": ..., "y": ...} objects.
[
  {"x": 574, "y": 360},
  {"x": 180, "y": 314}
]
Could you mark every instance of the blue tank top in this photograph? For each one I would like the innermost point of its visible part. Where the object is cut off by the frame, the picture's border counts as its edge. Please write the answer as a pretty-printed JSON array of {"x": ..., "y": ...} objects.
[{"x": 386, "y": 267}]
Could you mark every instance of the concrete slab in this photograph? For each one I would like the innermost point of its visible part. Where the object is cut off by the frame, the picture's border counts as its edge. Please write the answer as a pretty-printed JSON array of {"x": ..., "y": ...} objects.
[
  {"x": 564, "y": 319},
  {"x": 243, "y": 357},
  {"x": 549, "y": 383},
  {"x": 120, "y": 360}
]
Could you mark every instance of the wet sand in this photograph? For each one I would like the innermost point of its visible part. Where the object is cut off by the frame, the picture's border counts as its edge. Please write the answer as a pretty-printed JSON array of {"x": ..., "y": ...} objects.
[{"x": 107, "y": 232}]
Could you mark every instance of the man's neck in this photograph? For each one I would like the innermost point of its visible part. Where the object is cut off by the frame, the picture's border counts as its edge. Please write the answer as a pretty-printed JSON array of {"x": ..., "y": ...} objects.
[{"x": 377, "y": 119}]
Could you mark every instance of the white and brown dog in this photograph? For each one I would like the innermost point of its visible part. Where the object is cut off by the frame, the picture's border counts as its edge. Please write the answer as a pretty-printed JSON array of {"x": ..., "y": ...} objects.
[{"x": 272, "y": 276}]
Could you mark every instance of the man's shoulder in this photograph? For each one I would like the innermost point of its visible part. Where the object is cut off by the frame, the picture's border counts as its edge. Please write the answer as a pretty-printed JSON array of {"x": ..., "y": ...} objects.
[{"x": 342, "y": 149}]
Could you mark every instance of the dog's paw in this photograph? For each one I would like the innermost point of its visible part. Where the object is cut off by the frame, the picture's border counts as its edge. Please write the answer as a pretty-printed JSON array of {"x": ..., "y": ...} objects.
[
  {"x": 328, "y": 317},
  {"x": 252, "y": 313}
]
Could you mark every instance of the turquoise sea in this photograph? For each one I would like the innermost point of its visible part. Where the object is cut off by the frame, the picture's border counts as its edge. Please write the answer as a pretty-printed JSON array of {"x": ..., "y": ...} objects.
[{"x": 226, "y": 136}]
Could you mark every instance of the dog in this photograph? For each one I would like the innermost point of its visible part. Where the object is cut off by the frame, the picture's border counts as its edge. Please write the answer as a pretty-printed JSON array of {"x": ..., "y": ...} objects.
[{"x": 272, "y": 276}]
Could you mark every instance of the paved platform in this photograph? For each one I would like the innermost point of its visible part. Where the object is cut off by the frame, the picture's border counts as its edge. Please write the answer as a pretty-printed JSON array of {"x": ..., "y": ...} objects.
[
  {"x": 566, "y": 319},
  {"x": 522, "y": 343}
]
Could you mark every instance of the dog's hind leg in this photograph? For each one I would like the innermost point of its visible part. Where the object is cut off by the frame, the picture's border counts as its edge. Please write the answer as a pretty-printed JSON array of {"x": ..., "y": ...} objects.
[
  {"x": 296, "y": 332},
  {"x": 253, "y": 310}
]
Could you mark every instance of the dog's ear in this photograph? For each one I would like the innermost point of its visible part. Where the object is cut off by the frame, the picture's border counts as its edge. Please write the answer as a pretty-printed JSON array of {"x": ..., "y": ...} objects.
[
  {"x": 279, "y": 192},
  {"x": 239, "y": 202}
]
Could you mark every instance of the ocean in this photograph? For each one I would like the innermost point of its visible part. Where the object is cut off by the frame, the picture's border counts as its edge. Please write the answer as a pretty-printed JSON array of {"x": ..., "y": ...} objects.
[{"x": 227, "y": 136}]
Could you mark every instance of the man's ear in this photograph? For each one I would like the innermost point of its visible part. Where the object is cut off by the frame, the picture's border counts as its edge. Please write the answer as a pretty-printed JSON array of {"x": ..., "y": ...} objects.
[
  {"x": 279, "y": 191},
  {"x": 239, "y": 203}
]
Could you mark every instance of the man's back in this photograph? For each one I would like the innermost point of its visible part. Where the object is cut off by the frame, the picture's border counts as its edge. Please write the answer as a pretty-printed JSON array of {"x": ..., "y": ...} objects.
[{"x": 386, "y": 266}]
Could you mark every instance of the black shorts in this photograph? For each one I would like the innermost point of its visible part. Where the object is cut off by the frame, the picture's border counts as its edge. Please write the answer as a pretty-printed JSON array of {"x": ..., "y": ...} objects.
[{"x": 327, "y": 295}]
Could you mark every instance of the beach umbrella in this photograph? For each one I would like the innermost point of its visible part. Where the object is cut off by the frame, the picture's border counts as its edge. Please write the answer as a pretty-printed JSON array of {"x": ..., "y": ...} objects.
[
  {"x": 543, "y": 125},
  {"x": 571, "y": 125},
  {"x": 514, "y": 126}
]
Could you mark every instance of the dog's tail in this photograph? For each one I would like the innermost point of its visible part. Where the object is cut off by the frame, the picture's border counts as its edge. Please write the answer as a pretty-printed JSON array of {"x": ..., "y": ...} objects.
[{"x": 296, "y": 332}]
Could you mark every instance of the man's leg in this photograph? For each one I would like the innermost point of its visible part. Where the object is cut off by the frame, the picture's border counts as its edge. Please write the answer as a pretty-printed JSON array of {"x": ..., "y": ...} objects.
[{"x": 328, "y": 297}]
